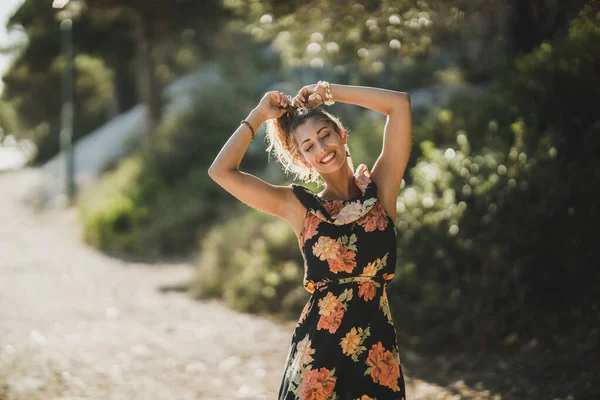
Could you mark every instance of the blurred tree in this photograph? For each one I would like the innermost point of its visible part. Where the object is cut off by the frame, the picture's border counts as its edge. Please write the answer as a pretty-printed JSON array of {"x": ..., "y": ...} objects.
[
  {"x": 534, "y": 21},
  {"x": 32, "y": 82},
  {"x": 153, "y": 24},
  {"x": 381, "y": 38},
  {"x": 347, "y": 34},
  {"x": 113, "y": 32}
]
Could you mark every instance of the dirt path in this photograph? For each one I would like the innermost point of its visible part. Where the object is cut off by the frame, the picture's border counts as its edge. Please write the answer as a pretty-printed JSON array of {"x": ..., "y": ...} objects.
[{"x": 78, "y": 324}]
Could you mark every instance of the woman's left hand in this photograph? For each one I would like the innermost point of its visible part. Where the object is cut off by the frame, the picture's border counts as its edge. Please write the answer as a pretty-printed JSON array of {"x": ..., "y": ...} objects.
[{"x": 306, "y": 97}]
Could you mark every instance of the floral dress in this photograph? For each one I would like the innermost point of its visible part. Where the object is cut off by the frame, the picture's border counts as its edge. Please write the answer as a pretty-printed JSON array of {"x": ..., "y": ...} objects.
[{"x": 344, "y": 346}]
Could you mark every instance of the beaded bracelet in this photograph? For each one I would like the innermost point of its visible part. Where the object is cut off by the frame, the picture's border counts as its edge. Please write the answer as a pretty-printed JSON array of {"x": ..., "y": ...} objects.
[
  {"x": 328, "y": 95},
  {"x": 249, "y": 126}
]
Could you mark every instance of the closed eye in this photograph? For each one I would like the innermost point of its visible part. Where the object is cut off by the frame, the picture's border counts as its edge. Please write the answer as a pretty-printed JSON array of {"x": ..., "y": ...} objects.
[{"x": 311, "y": 146}]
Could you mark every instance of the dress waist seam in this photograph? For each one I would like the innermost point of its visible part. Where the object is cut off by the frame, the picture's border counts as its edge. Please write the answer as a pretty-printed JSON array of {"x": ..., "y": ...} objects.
[{"x": 320, "y": 286}]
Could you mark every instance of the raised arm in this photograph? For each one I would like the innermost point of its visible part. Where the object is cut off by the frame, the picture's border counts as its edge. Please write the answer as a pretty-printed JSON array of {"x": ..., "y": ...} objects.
[
  {"x": 397, "y": 142},
  {"x": 276, "y": 200}
]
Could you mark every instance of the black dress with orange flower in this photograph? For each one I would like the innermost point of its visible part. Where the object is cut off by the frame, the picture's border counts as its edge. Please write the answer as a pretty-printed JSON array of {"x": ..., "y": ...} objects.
[{"x": 344, "y": 346}]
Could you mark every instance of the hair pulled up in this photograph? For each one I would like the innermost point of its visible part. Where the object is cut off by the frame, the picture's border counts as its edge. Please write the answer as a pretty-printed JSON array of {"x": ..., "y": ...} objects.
[{"x": 280, "y": 140}]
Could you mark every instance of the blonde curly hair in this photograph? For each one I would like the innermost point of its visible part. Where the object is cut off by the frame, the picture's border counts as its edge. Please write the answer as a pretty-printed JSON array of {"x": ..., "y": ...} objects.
[{"x": 280, "y": 140}]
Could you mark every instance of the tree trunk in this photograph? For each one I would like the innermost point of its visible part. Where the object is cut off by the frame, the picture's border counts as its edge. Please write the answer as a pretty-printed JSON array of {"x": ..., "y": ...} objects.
[{"x": 149, "y": 87}]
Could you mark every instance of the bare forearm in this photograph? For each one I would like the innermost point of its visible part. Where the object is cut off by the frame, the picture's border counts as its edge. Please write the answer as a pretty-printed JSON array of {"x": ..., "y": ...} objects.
[
  {"x": 380, "y": 100},
  {"x": 232, "y": 153}
]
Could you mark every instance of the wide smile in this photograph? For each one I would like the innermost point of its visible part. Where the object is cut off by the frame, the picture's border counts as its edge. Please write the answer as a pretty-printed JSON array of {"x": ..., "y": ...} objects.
[{"x": 328, "y": 158}]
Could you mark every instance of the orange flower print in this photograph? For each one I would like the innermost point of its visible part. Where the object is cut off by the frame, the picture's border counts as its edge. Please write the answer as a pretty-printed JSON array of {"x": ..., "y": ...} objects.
[
  {"x": 310, "y": 227},
  {"x": 325, "y": 248},
  {"x": 388, "y": 277},
  {"x": 331, "y": 311},
  {"x": 371, "y": 268},
  {"x": 367, "y": 290},
  {"x": 333, "y": 207},
  {"x": 374, "y": 219},
  {"x": 332, "y": 321},
  {"x": 344, "y": 262},
  {"x": 327, "y": 304},
  {"x": 383, "y": 367},
  {"x": 317, "y": 384},
  {"x": 350, "y": 342}
]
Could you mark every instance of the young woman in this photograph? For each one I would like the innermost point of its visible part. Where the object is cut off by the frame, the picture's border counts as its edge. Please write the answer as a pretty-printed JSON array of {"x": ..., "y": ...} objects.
[{"x": 344, "y": 346}]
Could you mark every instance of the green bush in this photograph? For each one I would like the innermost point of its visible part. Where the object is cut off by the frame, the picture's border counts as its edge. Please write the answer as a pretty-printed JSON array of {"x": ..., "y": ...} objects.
[
  {"x": 110, "y": 209},
  {"x": 253, "y": 262},
  {"x": 497, "y": 230}
]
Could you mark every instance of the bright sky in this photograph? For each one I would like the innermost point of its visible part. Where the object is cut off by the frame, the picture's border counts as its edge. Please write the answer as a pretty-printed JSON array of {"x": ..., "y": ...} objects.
[{"x": 7, "y": 9}]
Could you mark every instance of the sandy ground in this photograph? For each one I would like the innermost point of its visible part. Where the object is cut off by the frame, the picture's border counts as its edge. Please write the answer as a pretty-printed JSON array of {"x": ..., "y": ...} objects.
[{"x": 78, "y": 324}]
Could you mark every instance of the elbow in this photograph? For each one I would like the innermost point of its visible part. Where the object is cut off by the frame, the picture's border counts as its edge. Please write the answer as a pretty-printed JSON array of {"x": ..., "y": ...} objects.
[
  {"x": 218, "y": 174},
  {"x": 213, "y": 173},
  {"x": 401, "y": 104}
]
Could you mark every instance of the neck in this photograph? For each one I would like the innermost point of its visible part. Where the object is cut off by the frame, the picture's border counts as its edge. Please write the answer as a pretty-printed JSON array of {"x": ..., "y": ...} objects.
[{"x": 339, "y": 185}]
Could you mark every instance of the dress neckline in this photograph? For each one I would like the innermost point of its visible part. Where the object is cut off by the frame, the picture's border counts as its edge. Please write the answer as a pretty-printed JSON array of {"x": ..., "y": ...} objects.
[
  {"x": 338, "y": 212},
  {"x": 351, "y": 199}
]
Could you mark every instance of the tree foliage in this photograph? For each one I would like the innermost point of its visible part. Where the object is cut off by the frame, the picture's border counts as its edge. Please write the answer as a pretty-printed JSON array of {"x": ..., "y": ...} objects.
[
  {"x": 123, "y": 38},
  {"x": 356, "y": 39},
  {"x": 380, "y": 42}
]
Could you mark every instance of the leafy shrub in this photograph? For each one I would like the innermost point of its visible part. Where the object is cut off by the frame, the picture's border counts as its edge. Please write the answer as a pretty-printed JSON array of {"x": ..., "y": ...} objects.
[
  {"x": 497, "y": 230},
  {"x": 253, "y": 262},
  {"x": 109, "y": 211}
]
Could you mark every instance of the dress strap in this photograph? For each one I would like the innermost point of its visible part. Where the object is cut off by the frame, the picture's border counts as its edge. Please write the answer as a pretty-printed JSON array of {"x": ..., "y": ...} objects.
[{"x": 306, "y": 197}]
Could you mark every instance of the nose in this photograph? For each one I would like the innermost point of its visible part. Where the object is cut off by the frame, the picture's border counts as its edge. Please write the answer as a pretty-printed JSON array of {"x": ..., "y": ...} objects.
[{"x": 322, "y": 147}]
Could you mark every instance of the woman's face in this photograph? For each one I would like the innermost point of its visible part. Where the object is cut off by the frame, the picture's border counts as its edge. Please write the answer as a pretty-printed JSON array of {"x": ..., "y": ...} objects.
[{"x": 320, "y": 146}]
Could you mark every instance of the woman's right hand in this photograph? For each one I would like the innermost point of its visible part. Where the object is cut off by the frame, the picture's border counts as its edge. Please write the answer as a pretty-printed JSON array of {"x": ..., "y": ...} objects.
[{"x": 273, "y": 104}]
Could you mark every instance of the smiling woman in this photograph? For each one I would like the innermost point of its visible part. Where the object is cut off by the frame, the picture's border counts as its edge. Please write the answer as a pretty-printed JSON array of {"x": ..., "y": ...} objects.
[
  {"x": 344, "y": 345},
  {"x": 305, "y": 122}
]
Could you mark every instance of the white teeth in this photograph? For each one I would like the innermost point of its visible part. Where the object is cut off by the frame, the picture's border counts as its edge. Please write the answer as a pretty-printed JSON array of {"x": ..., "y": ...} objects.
[{"x": 329, "y": 157}]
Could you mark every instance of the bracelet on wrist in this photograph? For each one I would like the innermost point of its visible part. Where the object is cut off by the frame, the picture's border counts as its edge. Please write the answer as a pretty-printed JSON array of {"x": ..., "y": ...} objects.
[
  {"x": 249, "y": 126},
  {"x": 328, "y": 96}
]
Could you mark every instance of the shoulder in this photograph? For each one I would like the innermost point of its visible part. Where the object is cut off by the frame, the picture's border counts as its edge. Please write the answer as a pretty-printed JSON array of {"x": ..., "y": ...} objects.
[{"x": 299, "y": 205}]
